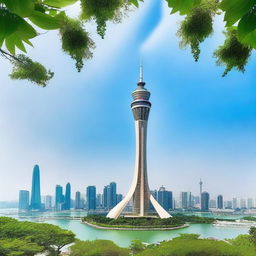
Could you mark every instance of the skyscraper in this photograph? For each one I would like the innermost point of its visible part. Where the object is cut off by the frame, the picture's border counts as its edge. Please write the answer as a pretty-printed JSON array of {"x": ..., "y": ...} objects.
[
  {"x": 205, "y": 198},
  {"x": 139, "y": 191},
  {"x": 59, "y": 198},
  {"x": 35, "y": 194},
  {"x": 250, "y": 203},
  {"x": 220, "y": 202},
  {"x": 99, "y": 201},
  {"x": 235, "y": 203},
  {"x": 23, "y": 200},
  {"x": 67, "y": 197},
  {"x": 105, "y": 197},
  {"x": 91, "y": 197},
  {"x": 184, "y": 200},
  {"x": 164, "y": 198},
  {"x": 48, "y": 202},
  {"x": 112, "y": 202},
  {"x": 78, "y": 200}
]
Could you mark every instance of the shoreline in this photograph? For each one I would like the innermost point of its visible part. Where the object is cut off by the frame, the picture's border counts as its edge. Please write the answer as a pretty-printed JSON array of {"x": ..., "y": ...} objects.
[{"x": 135, "y": 228}]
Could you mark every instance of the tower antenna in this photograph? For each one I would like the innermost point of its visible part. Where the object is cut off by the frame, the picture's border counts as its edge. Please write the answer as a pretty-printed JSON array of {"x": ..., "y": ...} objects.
[{"x": 141, "y": 71}]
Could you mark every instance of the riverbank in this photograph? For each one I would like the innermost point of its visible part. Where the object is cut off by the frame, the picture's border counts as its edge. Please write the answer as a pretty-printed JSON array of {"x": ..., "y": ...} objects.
[{"x": 98, "y": 226}]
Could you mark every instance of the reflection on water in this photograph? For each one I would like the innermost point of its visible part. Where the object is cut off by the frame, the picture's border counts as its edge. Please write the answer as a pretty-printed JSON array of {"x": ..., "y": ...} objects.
[{"x": 124, "y": 237}]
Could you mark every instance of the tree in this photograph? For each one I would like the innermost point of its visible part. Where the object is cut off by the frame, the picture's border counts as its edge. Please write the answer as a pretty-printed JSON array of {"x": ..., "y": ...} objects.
[
  {"x": 49, "y": 237},
  {"x": 21, "y": 20},
  {"x": 97, "y": 247}
]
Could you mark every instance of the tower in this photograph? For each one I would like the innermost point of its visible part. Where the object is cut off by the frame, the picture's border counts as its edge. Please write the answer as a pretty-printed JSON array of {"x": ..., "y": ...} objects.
[
  {"x": 35, "y": 203},
  {"x": 201, "y": 187},
  {"x": 139, "y": 191},
  {"x": 205, "y": 199},
  {"x": 68, "y": 197}
]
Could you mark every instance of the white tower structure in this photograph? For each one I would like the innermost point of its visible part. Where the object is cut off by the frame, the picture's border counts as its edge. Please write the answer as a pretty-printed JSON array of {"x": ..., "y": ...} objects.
[{"x": 139, "y": 191}]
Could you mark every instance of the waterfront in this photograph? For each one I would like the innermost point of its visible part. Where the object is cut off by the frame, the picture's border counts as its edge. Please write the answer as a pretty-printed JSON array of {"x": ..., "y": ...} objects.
[{"x": 124, "y": 237}]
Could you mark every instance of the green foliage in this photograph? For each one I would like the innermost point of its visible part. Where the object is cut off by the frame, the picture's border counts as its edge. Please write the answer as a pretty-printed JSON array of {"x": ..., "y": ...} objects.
[
  {"x": 14, "y": 30},
  {"x": 192, "y": 246},
  {"x": 17, "y": 247},
  {"x": 184, "y": 6},
  {"x": 102, "y": 11},
  {"x": 187, "y": 237},
  {"x": 39, "y": 237},
  {"x": 175, "y": 221},
  {"x": 137, "y": 246},
  {"x": 246, "y": 30},
  {"x": 59, "y": 3},
  {"x": 252, "y": 237},
  {"x": 232, "y": 54},
  {"x": 76, "y": 42},
  {"x": 25, "y": 68},
  {"x": 196, "y": 27},
  {"x": 235, "y": 9},
  {"x": 250, "y": 218},
  {"x": 97, "y": 248}
]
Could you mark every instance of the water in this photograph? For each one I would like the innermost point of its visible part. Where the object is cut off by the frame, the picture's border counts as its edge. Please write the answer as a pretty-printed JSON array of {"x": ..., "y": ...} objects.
[{"x": 124, "y": 237}]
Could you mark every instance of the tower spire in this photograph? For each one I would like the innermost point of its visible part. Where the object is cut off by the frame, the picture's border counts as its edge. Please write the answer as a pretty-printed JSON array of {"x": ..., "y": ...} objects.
[{"x": 141, "y": 72}]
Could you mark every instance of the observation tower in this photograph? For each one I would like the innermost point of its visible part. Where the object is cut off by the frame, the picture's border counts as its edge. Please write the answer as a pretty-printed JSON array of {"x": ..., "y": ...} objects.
[{"x": 139, "y": 191}]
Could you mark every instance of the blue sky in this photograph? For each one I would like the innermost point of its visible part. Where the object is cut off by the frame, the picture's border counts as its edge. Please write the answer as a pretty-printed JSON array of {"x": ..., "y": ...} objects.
[{"x": 80, "y": 128}]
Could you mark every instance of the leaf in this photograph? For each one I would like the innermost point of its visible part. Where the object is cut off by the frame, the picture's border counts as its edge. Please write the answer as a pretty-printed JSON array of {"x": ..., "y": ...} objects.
[
  {"x": 235, "y": 9},
  {"x": 10, "y": 45},
  {"x": 182, "y": 6},
  {"x": 9, "y": 22},
  {"x": 25, "y": 30},
  {"x": 21, "y": 7},
  {"x": 45, "y": 21},
  {"x": 247, "y": 30},
  {"x": 135, "y": 3},
  {"x": 59, "y": 3}
]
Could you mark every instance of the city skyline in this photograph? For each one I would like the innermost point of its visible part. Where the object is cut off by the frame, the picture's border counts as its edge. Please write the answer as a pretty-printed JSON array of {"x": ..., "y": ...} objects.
[
  {"x": 202, "y": 125},
  {"x": 109, "y": 197}
]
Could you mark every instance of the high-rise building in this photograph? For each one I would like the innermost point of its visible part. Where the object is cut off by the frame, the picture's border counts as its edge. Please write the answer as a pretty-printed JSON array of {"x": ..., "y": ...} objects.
[
  {"x": 242, "y": 203},
  {"x": 205, "y": 198},
  {"x": 99, "y": 201},
  {"x": 220, "y": 202},
  {"x": 67, "y": 204},
  {"x": 228, "y": 204},
  {"x": 164, "y": 198},
  {"x": 250, "y": 203},
  {"x": 119, "y": 198},
  {"x": 59, "y": 198},
  {"x": 78, "y": 200},
  {"x": 235, "y": 203},
  {"x": 48, "y": 202},
  {"x": 213, "y": 203},
  {"x": 23, "y": 200},
  {"x": 184, "y": 200},
  {"x": 35, "y": 203},
  {"x": 139, "y": 191},
  {"x": 105, "y": 197},
  {"x": 112, "y": 202},
  {"x": 91, "y": 197}
]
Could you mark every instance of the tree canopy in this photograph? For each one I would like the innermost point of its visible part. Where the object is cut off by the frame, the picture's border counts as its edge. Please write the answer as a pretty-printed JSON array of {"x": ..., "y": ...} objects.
[
  {"x": 28, "y": 238},
  {"x": 21, "y": 21}
]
